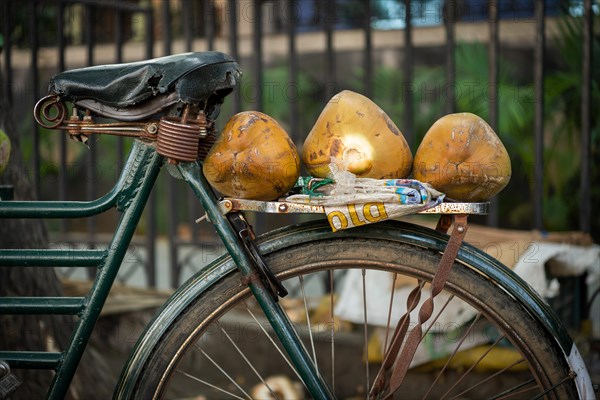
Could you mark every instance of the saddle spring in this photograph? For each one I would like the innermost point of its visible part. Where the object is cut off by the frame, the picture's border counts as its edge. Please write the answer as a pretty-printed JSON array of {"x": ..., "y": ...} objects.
[{"x": 182, "y": 139}]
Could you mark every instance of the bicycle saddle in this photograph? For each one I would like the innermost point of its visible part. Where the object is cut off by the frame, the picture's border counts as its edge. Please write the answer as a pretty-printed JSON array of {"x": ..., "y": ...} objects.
[{"x": 132, "y": 91}]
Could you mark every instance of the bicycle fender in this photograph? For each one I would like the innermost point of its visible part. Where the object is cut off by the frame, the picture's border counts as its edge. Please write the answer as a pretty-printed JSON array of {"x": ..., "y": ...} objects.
[{"x": 319, "y": 230}]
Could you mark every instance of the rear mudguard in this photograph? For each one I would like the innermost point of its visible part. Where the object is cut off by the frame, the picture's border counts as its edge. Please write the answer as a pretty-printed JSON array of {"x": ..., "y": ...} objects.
[{"x": 318, "y": 230}]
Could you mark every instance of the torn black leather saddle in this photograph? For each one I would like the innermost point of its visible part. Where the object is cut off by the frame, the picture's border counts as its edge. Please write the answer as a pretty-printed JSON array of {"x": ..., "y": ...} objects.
[{"x": 133, "y": 91}]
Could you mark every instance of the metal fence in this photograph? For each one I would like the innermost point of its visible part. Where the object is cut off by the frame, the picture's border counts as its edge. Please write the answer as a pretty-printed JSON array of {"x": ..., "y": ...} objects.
[{"x": 162, "y": 27}]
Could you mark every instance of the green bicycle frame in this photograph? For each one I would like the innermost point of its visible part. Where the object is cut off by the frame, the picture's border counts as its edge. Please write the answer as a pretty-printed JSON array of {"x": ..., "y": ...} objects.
[{"x": 129, "y": 196}]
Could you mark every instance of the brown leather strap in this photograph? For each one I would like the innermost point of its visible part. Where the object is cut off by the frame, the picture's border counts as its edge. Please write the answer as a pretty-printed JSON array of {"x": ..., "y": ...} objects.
[
  {"x": 382, "y": 378},
  {"x": 426, "y": 310}
]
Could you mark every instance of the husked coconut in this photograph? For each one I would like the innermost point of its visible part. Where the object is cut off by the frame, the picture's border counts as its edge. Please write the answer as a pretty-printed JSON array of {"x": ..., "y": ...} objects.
[
  {"x": 462, "y": 156},
  {"x": 253, "y": 158},
  {"x": 360, "y": 136}
]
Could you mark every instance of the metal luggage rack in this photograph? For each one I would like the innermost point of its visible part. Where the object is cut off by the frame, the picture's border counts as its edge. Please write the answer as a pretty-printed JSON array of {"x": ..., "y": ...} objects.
[{"x": 228, "y": 205}]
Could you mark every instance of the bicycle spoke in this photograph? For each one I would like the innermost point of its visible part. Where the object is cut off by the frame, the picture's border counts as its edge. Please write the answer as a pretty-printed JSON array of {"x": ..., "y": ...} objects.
[
  {"x": 274, "y": 344},
  {"x": 489, "y": 378},
  {"x": 310, "y": 335},
  {"x": 331, "y": 288},
  {"x": 364, "y": 290},
  {"x": 512, "y": 391},
  {"x": 387, "y": 329},
  {"x": 563, "y": 381},
  {"x": 472, "y": 366},
  {"x": 223, "y": 371},
  {"x": 209, "y": 384},
  {"x": 246, "y": 359},
  {"x": 462, "y": 339}
]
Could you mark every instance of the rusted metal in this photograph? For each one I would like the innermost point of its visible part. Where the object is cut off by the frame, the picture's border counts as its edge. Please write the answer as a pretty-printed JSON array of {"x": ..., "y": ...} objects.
[
  {"x": 51, "y": 113},
  {"x": 283, "y": 207},
  {"x": 178, "y": 140},
  {"x": 444, "y": 223}
]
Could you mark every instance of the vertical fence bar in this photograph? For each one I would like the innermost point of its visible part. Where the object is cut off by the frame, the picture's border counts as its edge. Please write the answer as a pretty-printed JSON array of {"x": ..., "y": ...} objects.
[
  {"x": 151, "y": 205},
  {"x": 368, "y": 60},
  {"x": 172, "y": 184},
  {"x": 119, "y": 59},
  {"x": 7, "y": 50},
  {"x": 492, "y": 89},
  {"x": 408, "y": 74},
  {"x": 188, "y": 28},
  {"x": 63, "y": 171},
  {"x": 586, "y": 120},
  {"x": 188, "y": 32},
  {"x": 231, "y": 12},
  {"x": 149, "y": 33},
  {"x": 166, "y": 27},
  {"x": 92, "y": 155},
  {"x": 258, "y": 55},
  {"x": 538, "y": 182},
  {"x": 209, "y": 24},
  {"x": 293, "y": 69},
  {"x": 449, "y": 90},
  {"x": 35, "y": 93},
  {"x": 328, "y": 12}
]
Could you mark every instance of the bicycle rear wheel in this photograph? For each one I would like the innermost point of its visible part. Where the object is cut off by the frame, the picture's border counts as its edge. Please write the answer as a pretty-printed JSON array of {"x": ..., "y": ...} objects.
[{"x": 220, "y": 347}]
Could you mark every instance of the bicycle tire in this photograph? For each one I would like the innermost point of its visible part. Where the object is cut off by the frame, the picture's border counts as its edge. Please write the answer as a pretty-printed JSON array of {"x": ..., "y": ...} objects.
[{"x": 546, "y": 362}]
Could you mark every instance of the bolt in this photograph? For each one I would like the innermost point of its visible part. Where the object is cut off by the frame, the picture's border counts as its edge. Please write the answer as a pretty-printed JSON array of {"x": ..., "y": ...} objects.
[
  {"x": 152, "y": 129},
  {"x": 460, "y": 229},
  {"x": 4, "y": 369},
  {"x": 283, "y": 208}
]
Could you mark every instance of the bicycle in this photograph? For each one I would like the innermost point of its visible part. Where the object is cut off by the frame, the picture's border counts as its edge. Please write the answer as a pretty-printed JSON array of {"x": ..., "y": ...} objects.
[{"x": 168, "y": 105}]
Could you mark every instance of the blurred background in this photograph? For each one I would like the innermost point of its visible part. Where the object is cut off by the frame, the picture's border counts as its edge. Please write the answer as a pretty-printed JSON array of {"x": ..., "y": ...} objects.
[{"x": 524, "y": 66}]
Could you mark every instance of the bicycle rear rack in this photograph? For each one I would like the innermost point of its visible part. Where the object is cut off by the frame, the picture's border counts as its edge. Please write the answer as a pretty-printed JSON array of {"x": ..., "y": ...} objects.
[{"x": 228, "y": 205}]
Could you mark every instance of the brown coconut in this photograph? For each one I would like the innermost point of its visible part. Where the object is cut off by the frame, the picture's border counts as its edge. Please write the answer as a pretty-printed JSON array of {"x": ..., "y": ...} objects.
[
  {"x": 462, "y": 156},
  {"x": 253, "y": 158},
  {"x": 361, "y": 136}
]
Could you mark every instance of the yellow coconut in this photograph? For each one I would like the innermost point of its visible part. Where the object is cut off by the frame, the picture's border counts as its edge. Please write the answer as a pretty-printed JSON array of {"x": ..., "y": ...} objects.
[
  {"x": 253, "y": 158},
  {"x": 361, "y": 136},
  {"x": 462, "y": 156}
]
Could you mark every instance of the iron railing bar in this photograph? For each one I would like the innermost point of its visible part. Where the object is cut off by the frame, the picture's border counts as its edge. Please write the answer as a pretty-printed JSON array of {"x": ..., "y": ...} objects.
[
  {"x": 149, "y": 33},
  {"x": 166, "y": 27},
  {"x": 51, "y": 258},
  {"x": 258, "y": 55},
  {"x": 449, "y": 24},
  {"x": 42, "y": 305},
  {"x": 586, "y": 119},
  {"x": 63, "y": 171},
  {"x": 119, "y": 59},
  {"x": 232, "y": 17},
  {"x": 93, "y": 154},
  {"x": 188, "y": 28},
  {"x": 171, "y": 183},
  {"x": 493, "y": 49},
  {"x": 33, "y": 37},
  {"x": 209, "y": 24},
  {"x": 150, "y": 240},
  {"x": 368, "y": 59},
  {"x": 293, "y": 72},
  {"x": 330, "y": 67},
  {"x": 7, "y": 50},
  {"x": 408, "y": 75},
  {"x": 538, "y": 181},
  {"x": 31, "y": 359}
]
